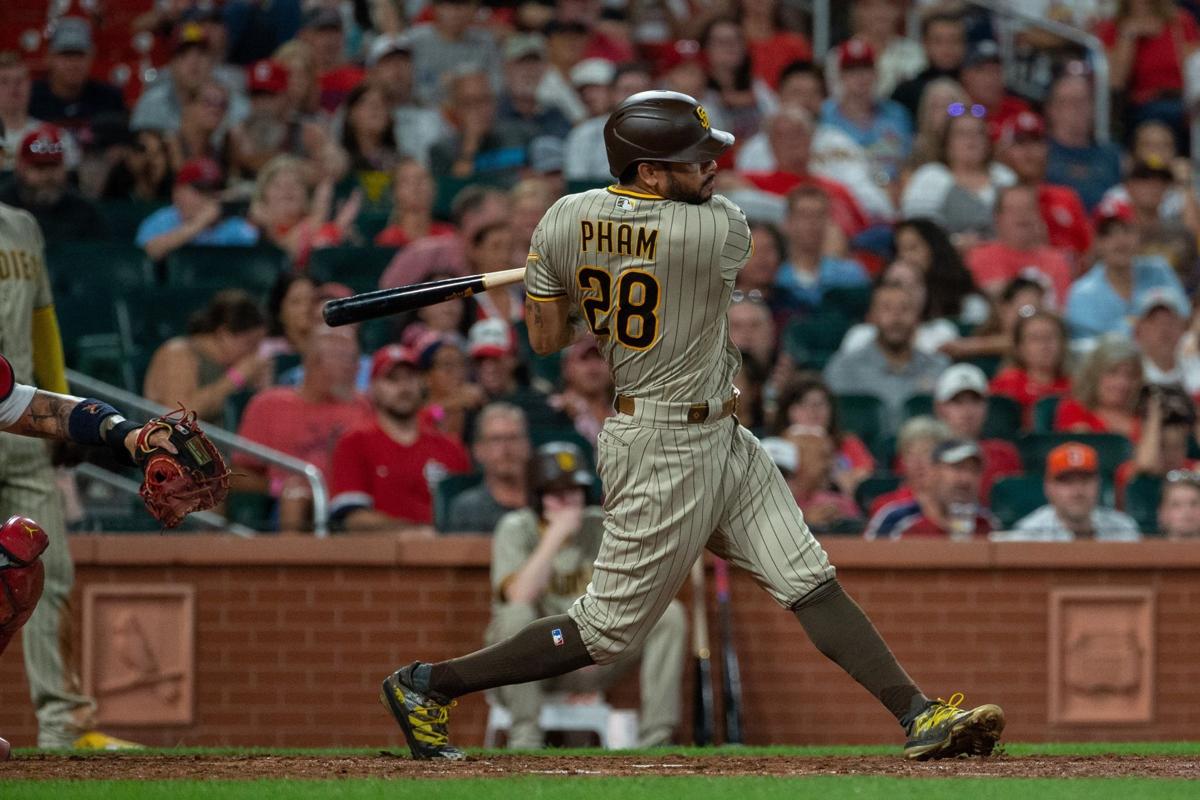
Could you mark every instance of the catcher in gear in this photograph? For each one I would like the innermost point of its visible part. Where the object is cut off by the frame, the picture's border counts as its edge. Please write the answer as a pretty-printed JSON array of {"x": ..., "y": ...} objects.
[{"x": 184, "y": 473}]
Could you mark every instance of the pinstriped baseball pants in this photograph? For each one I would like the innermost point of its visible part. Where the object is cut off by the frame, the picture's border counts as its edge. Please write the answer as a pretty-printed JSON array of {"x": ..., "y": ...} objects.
[{"x": 672, "y": 489}]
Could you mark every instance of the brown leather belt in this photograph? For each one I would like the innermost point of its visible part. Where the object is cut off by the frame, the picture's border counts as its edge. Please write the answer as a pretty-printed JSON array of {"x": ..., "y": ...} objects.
[{"x": 696, "y": 413}]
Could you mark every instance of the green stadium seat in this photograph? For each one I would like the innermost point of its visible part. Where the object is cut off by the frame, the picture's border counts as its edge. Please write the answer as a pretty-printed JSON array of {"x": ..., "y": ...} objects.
[
  {"x": 82, "y": 267},
  {"x": 918, "y": 405},
  {"x": 851, "y": 301},
  {"x": 370, "y": 222},
  {"x": 1113, "y": 449},
  {"x": 812, "y": 341},
  {"x": 989, "y": 364},
  {"x": 1014, "y": 497},
  {"x": 1003, "y": 418},
  {"x": 862, "y": 415},
  {"x": 254, "y": 269},
  {"x": 125, "y": 216},
  {"x": 446, "y": 490},
  {"x": 357, "y": 267},
  {"x": 1043, "y": 414},
  {"x": 250, "y": 509},
  {"x": 878, "y": 484},
  {"x": 1142, "y": 495},
  {"x": 155, "y": 315}
]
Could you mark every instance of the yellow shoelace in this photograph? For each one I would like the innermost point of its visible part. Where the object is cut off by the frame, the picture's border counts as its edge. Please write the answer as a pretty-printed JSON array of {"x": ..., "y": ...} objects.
[
  {"x": 937, "y": 714},
  {"x": 425, "y": 721}
]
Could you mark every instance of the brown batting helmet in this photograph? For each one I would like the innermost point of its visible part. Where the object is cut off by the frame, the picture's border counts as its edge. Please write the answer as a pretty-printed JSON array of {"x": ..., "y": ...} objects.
[{"x": 661, "y": 126}]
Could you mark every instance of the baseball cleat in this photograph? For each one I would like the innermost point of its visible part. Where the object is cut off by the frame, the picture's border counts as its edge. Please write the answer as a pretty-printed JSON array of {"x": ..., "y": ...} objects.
[
  {"x": 96, "y": 740},
  {"x": 420, "y": 716},
  {"x": 943, "y": 730}
]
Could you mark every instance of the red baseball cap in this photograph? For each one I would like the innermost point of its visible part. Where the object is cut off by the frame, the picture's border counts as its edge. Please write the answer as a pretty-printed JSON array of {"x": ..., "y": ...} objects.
[
  {"x": 202, "y": 173},
  {"x": 1113, "y": 209},
  {"x": 854, "y": 53},
  {"x": 1025, "y": 125},
  {"x": 267, "y": 77},
  {"x": 44, "y": 145},
  {"x": 1071, "y": 458},
  {"x": 683, "y": 51},
  {"x": 389, "y": 356}
]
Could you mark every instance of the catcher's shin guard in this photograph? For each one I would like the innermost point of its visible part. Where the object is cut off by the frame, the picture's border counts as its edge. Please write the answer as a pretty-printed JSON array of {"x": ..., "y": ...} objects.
[{"x": 22, "y": 542}]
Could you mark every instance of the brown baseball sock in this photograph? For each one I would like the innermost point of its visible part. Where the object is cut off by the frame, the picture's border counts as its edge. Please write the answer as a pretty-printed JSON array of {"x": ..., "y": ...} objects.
[
  {"x": 840, "y": 630},
  {"x": 544, "y": 648}
]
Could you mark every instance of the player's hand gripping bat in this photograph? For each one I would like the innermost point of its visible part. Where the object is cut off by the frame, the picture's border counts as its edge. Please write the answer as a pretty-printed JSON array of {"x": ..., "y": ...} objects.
[{"x": 702, "y": 712}]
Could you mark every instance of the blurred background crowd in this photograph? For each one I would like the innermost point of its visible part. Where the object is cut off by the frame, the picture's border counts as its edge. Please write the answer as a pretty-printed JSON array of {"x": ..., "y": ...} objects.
[{"x": 968, "y": 312}]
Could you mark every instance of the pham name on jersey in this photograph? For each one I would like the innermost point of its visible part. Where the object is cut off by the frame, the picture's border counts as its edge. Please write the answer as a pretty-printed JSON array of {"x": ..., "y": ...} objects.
[{"x": 619, "y": 238}]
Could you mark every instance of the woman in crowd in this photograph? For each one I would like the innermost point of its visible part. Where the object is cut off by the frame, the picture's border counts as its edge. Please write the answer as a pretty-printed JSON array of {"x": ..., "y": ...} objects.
[
  {"x": 959, "y": 189},
  {"x": 772, "y": 46},
  {"x": 808, "y": 401},
  {"x": 934, "y": 333},
  {"x": 1038, "y": 363},
  {"x": 413, "y": 193},
  {"x": 994, "y": 337},
  {"x": 489, "y": 250},
  {"x": 450, "y": 397},
  {"x": 951, "y": 290},
  {"x": 144, "y": 172},
  {"x": 290, "y": 316},
  {"x": 369, "y": 140},
  {"x": 824, "y": 508},
  {"x": 294, "y": 218},
  {"x": 217, "y": 358},
  {"x": 736, "y": 101},
  {"x": 1105, "y": 391},
  {"x": 939, "y": 95},
  {"x": 200, "y": 120},
  {"x": 304, "y": 90}
]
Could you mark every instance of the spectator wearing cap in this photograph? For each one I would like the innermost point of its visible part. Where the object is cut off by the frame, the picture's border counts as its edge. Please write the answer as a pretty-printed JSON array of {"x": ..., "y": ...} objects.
[
  {"x": 390, "y": 67},
  {"x": 450, "y": 42},
  {"x": 1163, "y": 315},
  {"x": 1037, "y": 361},
  {"x": 1019, "y": 249},
  {"x": 918, "y": 438},
  {"x": 890, "y": 366},
  {"x": 898, "y": 58},
  {"x": 808, "y": 270},
  {"x": 809, "y": 475},
  {"x": 944, "y": 41},
  {"x": 588, "y": 391},
  {"x": 524, "y": 66},
  {"x": 961, "y": 402},
  {"x": 584, "y": 155},
  {"x": 272, "y": 129},
  {"x": 1105, "y": 391},
  {"x": 1076, "y": 159},
  {"x": 305, "y": 422},
  {"x": 1168, "y": 417},
  {"x": 566, "y": 43},
  {"x": 982, "y": 75},
  {"x": 1022, "y": 147},
  {"x": 482, "y": 145},
  {"x": 492, "y": 348},
  {"x": 385, "y": 470},
  {"x": 15, "y": 120},
  {"x": 324, "y": 31},
  {"x": 195, "y": 216},
  {"x": 1103, "y": 300},
  {"x": 1179, "y": 507},
  {"x": 192, "y": 65},
  {"x": 881, "y": 127},
  {"x": 736, "y": 100},
  {"x": 40, "y": 186},
  {"x": 950, "y": 508},
  {"x": 411, "y": 217},
  {"x": 451, "y": 399},
  {"x": 1072, "y": 486},
  {"x": 680, "y": 68},
  {"x": 67, "y": 96},
  {"x": 501, "y": 447},
  {"x": 1164, "y": 207}
]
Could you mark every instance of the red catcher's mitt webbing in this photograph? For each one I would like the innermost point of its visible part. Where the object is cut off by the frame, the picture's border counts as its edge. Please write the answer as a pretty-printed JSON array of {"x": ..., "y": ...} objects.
[{"x": 176, "y": 484}]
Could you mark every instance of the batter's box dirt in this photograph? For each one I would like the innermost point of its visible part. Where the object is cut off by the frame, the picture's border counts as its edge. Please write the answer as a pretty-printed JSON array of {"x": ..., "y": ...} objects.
[{"x": 251, "y": 767}]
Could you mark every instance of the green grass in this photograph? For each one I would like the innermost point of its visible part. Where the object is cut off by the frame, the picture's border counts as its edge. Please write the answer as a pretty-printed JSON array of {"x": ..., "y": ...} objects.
[{"x": 649, "y": 788}]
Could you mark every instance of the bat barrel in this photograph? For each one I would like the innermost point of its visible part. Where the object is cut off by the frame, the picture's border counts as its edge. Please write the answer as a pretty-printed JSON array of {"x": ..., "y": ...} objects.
[{"x": 386, "y": 302}]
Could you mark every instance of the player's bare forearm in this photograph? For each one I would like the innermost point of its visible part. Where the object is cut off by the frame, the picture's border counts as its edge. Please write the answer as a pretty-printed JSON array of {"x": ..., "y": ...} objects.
[
  {"x": 549, "y": 324},
  {"x": 46, "y": 417}
]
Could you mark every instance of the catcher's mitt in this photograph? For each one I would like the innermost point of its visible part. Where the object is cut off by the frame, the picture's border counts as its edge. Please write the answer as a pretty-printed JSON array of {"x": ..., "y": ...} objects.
[{"x": 176, "y": 484}]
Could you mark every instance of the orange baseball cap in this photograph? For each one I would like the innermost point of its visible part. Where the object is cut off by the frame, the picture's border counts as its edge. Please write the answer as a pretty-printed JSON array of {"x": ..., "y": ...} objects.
[{"x": 1071, "y": 457}]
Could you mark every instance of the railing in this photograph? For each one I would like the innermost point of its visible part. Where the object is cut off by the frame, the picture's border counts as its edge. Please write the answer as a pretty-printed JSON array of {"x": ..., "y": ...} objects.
[{"x": 127, "y": 402}]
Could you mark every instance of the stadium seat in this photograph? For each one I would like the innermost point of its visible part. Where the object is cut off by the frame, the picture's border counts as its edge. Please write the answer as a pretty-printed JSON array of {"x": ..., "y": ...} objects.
[
  {"x": 862, "y": 415},
  {"x": 1014, "y": 497},
  {"x": 446, "y": 490},
  {"x": 813, "y": 340},
  {"x": 250, "y": 509},
  {"x": 851, "y": 301},
  {"x": 375, "y": 333},
  {"x": 1043, "y": 413},
  {"x": 357, "y": 267},
  {"x": 155, "y": 315},
  {"x": 1142, "y": 495},
  {"x": 878, "y": 484},
  {"x": 254, "y": 269},
  {"x": 989, "y": 364},
  {"x": 82, "y": 267},
  {"x": 918, "y": 405},
  {"x": 1003, "y": 418},
  {"x": 125, "y": 216},
  {"x": 1113, "y": 449},
  {"x": 370, "y": 222}
]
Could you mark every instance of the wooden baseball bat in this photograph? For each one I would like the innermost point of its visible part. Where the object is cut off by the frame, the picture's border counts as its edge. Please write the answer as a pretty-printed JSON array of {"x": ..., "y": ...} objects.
[
  {"x": 702, "y": 711},
  {"x": 385, "y": 302},
  {"x": 731, "y": 673}
]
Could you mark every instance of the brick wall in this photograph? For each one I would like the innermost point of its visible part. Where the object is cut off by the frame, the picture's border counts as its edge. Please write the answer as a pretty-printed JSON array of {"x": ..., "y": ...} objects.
[{"x": 293, "y": 635}]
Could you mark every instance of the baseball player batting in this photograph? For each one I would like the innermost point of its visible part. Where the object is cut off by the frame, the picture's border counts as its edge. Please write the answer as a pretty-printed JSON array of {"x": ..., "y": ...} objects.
[{"x": 648, "y": 266}]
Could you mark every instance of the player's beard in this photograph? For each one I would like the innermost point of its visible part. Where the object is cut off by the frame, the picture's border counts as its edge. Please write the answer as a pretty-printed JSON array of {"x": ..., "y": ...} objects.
[{"x": 684, "y": 194}]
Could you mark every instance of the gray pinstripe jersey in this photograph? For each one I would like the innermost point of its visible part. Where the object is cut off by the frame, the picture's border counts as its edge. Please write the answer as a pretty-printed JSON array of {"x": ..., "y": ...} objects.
[{"x": 652, "y": 278}]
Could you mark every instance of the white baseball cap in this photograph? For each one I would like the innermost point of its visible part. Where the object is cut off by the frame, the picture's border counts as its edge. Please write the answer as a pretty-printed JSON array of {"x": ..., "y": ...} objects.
[
  {"x": 490, "y": 338},
  {"x": 960, "y": 378},
  {"x": 782, "y": 452},
  {"x": 592, "y": 72},
  {"x": 1166, "y": 297}
]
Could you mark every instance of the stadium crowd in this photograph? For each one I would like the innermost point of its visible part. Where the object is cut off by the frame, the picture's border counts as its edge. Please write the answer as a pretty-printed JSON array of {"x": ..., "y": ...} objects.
[{"x": 968, "y": 311}]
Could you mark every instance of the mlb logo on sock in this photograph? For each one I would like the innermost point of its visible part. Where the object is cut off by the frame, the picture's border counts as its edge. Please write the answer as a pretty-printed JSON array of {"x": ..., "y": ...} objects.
[{"x": 557, "y": 636}]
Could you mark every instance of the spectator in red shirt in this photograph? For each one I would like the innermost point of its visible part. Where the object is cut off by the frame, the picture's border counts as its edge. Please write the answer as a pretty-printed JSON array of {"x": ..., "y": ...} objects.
[
  {"x": 384, "y": 472},
  {"x": 961, "y": 401},
  {"x": 950, "y": 509},
  {"x": 982, "y": 75},
  {"x": 1037, "y": 365},
  {"x": 1104, "y": 392},
  {"x": 304, "y": 422},
  {"x": 917, "y": 440},
  {"x": 1168, "y": 417},
  {"x": 1024, "y": 149},
  {"x": 772, "y": 46},
  {"x": 1148, "y": 43},
  {"x": 1019, "y": 249},
  {"x": 413, "y": 193},
  {"x": 324, "y": 33}
]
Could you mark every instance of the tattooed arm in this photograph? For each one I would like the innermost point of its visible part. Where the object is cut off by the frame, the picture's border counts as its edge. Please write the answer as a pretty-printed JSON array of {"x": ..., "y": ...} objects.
[
  {"x": 46, "y": 417},
  {"x": 549, "y": 323}
]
